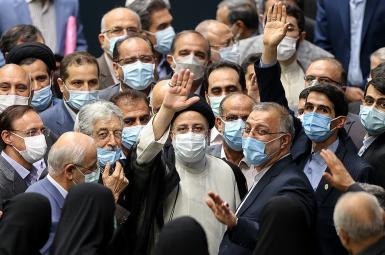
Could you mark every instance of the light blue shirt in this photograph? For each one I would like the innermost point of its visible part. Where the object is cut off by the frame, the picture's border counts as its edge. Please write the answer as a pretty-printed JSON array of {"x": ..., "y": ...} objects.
[
  {"x": 316, "y": 166},
  {"x": 357, "y": 11}
]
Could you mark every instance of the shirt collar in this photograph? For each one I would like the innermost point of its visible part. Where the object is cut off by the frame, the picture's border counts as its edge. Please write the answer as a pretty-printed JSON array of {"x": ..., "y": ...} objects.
[
  {"x": 243, "y": 160},
  {"x": 71, "y": 112},
  {"x": 215, "y": 135},
  {"x": 317, "y": 155},
  {"x": 62, "y": 191}
]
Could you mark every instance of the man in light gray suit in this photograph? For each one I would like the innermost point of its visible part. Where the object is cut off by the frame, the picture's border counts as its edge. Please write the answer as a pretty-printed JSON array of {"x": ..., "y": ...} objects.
[{"x": 23, "y": 146}]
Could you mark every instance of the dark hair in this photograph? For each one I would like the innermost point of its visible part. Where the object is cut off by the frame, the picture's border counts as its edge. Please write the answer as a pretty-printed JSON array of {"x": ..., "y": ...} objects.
[
  {"x": 186, "y": 32},
  {"x": 378, "y": 71},
  {"x": 221, "y": 65},
  {"x": 145, "y": 13},
  {"x": 334, "y": 94},
  {"x": 30, "y": 61},
  {"x": 338, "y": 65},
  {"x": 245, "y": 11},
  {"x": 76, "y": 58},
  {"x": 10, "y": 115},
  {"x": 130, "y": 35},
  {"x": 294, "y": 11},
  {"x": 130, "y": 95},
  {"x": 304, "y": 93},
  {"x": 378, "y": 83},
  {"x": 250, "y": 59},
  {"x": 19, "y": 33}
]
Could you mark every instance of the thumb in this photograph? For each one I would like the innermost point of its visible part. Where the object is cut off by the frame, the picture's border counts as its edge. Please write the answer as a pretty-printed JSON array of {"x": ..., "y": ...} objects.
[
  {"x": 191, "y": 101},
  {"x": 329, "y": 178}
]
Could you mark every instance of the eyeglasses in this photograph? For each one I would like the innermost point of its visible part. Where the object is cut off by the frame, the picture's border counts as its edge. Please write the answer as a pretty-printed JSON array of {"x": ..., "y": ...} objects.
[
  {"x": 321, "y": 79},
  {"x": 104, "y": 134},
  {"x": 120, "y": 30},
  {"x": 88, "y": 170},
  {"x": 32, "y": 132},
  {"x": 259, "y": 131},
  {"x": 141, "y": 58}
]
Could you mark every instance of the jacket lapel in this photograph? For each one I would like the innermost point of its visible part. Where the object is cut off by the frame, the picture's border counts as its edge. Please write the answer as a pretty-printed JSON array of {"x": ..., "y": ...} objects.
[
  {"x": 369, "y": 11},
  {"x": 345, "y": 16},
  {"x": 18, "y": 184},
  {"x": 53, "y": 191},
  {"x": 275, "y": 170}
]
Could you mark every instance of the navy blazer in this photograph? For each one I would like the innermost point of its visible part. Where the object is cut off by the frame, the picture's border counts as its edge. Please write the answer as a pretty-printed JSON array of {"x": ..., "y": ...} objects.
[
  {"x": 375, "y": 155},
  {"x": 332, "y": 30},
  {"x": 14, "y": 12},
  {"x": 56, "y": 200},
  {"x": 284, "y": 178},
  {"x": 57, "y": 119}
]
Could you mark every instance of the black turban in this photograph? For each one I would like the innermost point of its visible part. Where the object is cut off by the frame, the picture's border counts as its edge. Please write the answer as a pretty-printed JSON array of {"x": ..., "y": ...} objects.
[
  {"x": 203, "y": 108},
  {"x": 32, "y": 50}
]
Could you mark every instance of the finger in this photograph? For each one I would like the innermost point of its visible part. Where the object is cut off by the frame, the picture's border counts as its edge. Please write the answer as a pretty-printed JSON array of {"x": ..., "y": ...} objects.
[
  {"x": 253, "y": 80},
  {"x": 189, "y": 82},
  {"x": 279, "y": 11},
  {"x": 329, "y": 178},
  {"x": 214, "y": 197},
  {"x": 284, "y": 14},
  {"x": 174, "y": 79},
  {"x": 270, "y": 13},
  {"x": 211, "y": 205},
  {"x": 275, "y": 10},
  {"x": 191, "y": 101},
  {"x": 180, "y": 77},
  {"x": 185, "y": 79},
  {"x": 118, "y": 170},
  {"x": 218, "y": 200},
  {"x": 106, "y": 172},
  {"x": 285, "y": 28},
  {"x": 225, "y": 208}
]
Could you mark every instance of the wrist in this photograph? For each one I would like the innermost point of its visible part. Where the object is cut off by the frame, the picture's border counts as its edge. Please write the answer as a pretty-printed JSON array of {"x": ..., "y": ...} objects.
[{"x": 233, "y": 223}]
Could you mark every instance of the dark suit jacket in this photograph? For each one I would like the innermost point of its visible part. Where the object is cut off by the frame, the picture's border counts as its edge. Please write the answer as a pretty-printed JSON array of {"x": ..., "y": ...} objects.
[
  {"x": 375, "y": 155},
  {"x": 11, "y": 182},
  {"x": 375, "y": 249},
  {"x": 105, "y": 77},
  {"x": 56, "y": 200},
  {"x": 271, "y": 89},
  {"x": 332, "y": 30},
  {"x": 57, "y": 119},
  {"x": 284, "y": 178}
]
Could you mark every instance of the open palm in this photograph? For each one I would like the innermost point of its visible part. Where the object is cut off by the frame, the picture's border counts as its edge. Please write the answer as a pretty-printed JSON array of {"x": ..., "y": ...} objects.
[{"x": 276, "y": 26}]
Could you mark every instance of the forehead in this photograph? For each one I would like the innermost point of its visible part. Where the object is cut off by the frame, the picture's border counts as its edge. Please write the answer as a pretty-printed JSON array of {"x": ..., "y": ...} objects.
[
  {"x": 29, "y": 120},
  {"x": 134, "y": 47},
  {"x": 13, "y": 74},
  {"x": 192, "y": 42},
  {"x": 190, "y": 118},
  {"x": 373, "y": 92},
  {"x": 237, "y": 103},
  {"x": 322, "y": 68},
  {"x": 82, "y": 72},
  {"x": 135, "y": 107},
  {"x": 36, "y": 66},
  {"x": 121, "y": 18},
  {"x": 293, "y": 21},
  {"x": 111, "y": 124},
  {"x": 218, "y": 33},
  {"x": 318, "y": 98},
  {"x": 268, "y": 118},
  {"x": 223, "y": 76},
  {"x": 160, "y": 16}
]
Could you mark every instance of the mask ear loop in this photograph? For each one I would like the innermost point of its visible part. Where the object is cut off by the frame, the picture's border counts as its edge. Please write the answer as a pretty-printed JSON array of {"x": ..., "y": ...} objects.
[{"x": 332, "y": 130}]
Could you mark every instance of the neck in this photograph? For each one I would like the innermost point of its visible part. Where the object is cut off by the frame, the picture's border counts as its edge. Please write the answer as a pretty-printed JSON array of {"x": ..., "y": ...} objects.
[
  {"x": 233, "y": 156},
  {"x": 357, "y": 248},
  {"x": 12, "y": 153},
  {"x": 289, "y": 61},
  {"x": 326, "y": 143},
  {"x": 62, "y": 181}
]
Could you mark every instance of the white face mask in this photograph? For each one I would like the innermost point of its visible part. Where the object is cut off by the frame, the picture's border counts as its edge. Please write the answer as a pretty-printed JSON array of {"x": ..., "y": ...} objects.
[
  {"x": 8, "y": 100},
  {"x": 192, "y": 63},
  {"x": 190, "y": 147},
  {"x": 35, "y": 148},
  {"x": 286, "y": 48}
]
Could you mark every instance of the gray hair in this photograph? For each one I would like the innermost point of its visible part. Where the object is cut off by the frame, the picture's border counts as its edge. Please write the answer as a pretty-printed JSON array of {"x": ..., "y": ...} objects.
[
  {"x": 360, "y": 221},
  {"x": 235, "y": 94},
  {"x": 286, "y": 120},
  {"x": 377, "y": 191},
  {"x": 91, "y": 113},
  {"x": 58, "y": 157},
  {"x": 380, "y": 54}
]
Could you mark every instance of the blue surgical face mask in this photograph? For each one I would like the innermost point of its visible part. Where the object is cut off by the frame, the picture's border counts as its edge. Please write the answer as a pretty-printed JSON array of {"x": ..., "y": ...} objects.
[
  {"x": 112, "y": 41},
  {"x": 254, "y": 150},
  {"x": 42, "y": 98},
  {"x": 164, "y": 40},
  {"x": 108, "y": 156},
  {"x": 373, "y": 120},
  {"x": 215, "y": 103},
  {"x": 317, "y": 126},
  {"x": 233, "y": 134},
  {"x": 80, "y": 98},
  {"x": 138, "y": 75},
  {"x": 92, "y": 177},
  {"x": 130, "y": 135}
]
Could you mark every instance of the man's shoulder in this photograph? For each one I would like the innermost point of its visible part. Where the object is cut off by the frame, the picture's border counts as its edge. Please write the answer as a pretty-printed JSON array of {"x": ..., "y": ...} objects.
[
  {"x": 38, "y": 187},
  {"x": 56, "y": 109},
  {"x": 109, "y": 92},
  {"x": 221, "y": 166},
  {"x": 215, "y": 150}
]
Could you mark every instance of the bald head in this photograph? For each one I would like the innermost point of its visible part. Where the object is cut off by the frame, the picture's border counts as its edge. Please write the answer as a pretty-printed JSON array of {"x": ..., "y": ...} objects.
[
  {"x": 158, "y": 93},
  {"x": 71, "y": 148},
  {"x": 358, "y": 217},
  {"x": 217, "y": 33},
  {"x": 14, "y": 81}
]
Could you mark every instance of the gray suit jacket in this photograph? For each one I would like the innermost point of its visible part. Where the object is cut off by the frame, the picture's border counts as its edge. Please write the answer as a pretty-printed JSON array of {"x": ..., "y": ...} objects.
[
  {"x": 108, "y": 93},
  {"x": 215, "y": 150},
  {"x": 306, "y": 52},
  {"x": 105, "y": 77}
]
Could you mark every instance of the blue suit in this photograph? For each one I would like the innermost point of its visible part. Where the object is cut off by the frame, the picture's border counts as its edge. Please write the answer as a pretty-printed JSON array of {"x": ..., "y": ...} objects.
[
  {"x": 57, "y": 119},
  {"x": 56, "y": 200},
  {"x": 284, "y": 178},
  {"x": 15, "y": 12},
  {"x": 332, "y": 30}
]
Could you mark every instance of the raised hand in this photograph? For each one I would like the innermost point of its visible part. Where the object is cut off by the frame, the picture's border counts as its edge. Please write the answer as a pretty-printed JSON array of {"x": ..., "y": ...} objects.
[
  {"x": 338, "y": 177},
  {"x": 117, "y": 181},
  {"x": 221, "y": 210},
  {"x": 276, "y": 26},
  {"x": 176, "y": 98}
]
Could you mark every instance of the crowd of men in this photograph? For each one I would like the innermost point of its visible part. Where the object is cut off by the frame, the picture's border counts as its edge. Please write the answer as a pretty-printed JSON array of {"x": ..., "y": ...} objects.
[{"x": 239, "y": 137}]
